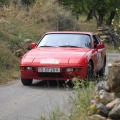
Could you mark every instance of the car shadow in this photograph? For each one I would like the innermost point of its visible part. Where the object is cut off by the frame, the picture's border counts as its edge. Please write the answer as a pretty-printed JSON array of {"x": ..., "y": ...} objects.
[{"x": 52, "y": 84}]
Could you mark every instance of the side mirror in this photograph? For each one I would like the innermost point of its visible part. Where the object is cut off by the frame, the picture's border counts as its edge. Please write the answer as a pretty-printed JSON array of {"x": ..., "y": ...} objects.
[
  {"x": 33, "y": 45},
  {"x": 100, "y": 46}
]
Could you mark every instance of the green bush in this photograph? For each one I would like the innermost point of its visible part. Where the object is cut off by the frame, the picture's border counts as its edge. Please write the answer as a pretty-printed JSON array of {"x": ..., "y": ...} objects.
[
  {"x": 9, "y": 64},
  {"x": 27, "y": 2},
  {"x": 7, "y": 59},
  {"x": 5, "y": 2},
  {"x": 65, "y": 22}
]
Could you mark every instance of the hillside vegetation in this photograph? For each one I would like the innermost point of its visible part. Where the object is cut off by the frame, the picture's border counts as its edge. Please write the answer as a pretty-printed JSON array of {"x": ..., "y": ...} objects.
[{"x": 19, "y": 22}]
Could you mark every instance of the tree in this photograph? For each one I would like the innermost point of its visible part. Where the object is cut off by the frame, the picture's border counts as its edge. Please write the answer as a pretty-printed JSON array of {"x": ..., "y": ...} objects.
[{"x": 102, "y": 10}]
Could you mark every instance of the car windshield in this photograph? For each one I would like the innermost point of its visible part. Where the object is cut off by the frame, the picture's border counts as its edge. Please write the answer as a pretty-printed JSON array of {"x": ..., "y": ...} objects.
[{"x": 65, "y": 40}]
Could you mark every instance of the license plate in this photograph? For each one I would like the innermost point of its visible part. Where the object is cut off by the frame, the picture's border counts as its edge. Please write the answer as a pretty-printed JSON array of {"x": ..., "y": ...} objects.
[{"x": 53, "y": 70}]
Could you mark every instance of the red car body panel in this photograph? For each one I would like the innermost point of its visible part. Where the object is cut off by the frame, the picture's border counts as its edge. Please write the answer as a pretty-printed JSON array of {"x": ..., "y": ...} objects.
[{"x": 63, "y": 58}]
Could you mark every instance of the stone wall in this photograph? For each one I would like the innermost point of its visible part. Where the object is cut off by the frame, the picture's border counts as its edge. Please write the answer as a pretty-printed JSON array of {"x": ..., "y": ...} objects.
[
  {"x": 106, "y": 101},
  {"x": 25, "y": 46},
  {"x": 106, "y": 34}
]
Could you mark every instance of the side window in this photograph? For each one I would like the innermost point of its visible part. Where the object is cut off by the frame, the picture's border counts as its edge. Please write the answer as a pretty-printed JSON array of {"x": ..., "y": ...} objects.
[{"x": 87, "y": 41}]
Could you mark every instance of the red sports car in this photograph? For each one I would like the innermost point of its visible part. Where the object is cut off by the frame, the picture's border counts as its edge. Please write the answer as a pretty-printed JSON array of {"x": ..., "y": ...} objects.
[{"x": 63, "y": 56}]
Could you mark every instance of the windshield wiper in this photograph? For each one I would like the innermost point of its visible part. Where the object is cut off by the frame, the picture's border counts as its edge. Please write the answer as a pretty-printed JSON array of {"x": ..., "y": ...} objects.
[
  {"x": 46, "y": 46},
  {"x": 70, "y": 46}
]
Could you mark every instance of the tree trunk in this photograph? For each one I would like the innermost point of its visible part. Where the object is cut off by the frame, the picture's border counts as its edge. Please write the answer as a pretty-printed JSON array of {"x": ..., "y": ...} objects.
[
  {"x": 101, "y": 14},
  {"x": 90, "y": 15},
  {"x": 109, "y": 21}
]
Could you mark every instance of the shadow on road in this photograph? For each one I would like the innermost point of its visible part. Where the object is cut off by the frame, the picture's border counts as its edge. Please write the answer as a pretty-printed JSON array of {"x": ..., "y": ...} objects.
[{"x": 52, "y": 84}]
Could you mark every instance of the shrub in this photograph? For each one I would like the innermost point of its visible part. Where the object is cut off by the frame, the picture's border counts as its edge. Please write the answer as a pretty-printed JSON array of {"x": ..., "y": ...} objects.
[
  {"x": 18, "y": 23},
  {"x": 27, "y": 2},
  {"x": 5, "y": 2},
  {"x": 8, "y": 64}
]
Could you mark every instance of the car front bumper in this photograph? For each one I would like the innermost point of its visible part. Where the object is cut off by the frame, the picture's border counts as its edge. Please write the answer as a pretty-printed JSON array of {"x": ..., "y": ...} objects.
[{"x": 63, "y": 75}]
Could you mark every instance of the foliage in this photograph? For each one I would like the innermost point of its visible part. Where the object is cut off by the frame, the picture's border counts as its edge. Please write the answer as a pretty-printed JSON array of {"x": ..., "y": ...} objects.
[
  {"x": 27, "y": 2},
  {"x": 79, "y": 101},
  {"x": 83, "y": 91},
  {"x": 100, "y": 9},
  {"x": 18, "y": 23},
  {"x": 5, "y": 2},
  {"x": 8, "y": 64},
  {"x": 116, "y": 23}
]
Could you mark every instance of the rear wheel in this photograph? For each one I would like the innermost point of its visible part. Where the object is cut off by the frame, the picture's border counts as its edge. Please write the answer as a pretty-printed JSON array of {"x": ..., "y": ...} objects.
[
  {"x": 26, "y": 81},
  {"x": 102, "y": 71}
]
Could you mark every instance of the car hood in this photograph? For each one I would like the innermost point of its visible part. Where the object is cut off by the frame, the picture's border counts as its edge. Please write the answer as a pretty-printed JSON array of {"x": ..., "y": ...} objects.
[{"x": 56, "y": 56}]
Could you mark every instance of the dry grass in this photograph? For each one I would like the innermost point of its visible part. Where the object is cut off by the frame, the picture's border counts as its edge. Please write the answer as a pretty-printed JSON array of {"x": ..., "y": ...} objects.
[
  {"x": 8, "y": 64},
  {"x": 18, "y": 23}
]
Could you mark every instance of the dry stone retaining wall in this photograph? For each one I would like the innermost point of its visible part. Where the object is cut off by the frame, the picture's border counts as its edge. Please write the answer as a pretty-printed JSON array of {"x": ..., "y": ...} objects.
[
  {"x": 106, "y": 101},
  {"x": 106, "y": 34}
]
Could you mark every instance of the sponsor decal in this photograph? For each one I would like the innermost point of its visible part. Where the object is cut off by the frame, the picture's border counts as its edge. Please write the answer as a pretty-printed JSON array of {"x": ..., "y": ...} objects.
[{"x": 50, "y": 61}]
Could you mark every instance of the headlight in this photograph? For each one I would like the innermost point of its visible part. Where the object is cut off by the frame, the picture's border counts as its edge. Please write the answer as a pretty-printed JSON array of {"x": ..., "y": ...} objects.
[{"x": 29, "y": 68}]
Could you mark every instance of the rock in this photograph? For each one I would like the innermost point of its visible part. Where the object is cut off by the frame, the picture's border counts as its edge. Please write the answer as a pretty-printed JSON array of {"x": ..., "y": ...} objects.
[
  {"x": 96, "y": 117},
  {"x": 96, "y": 98},
  {"x": 117, "y": 60},
  {"x": 106, "y": 32},
  {"x": 103, "y": 110},
  {"x": 107, "y": 37},
  {"x": 117, "y": 95},
  {"x": 100, "y": 86},
  {"x": 113, "y": 80},
  {"x": 106, "y": 28},
  {"x": 100, "y": 29},
  {"x": 19, "y": 53},
  {"x": 99, "y": 33},
  {"x": 109, "y": 119},
  {"x": 26, "y": 44},
  {"x": 113, "y": 103},
  {"x": 106, "y": 97},
  {"x": 103, "y": 96},
  {"x": 115, "y": 112}
]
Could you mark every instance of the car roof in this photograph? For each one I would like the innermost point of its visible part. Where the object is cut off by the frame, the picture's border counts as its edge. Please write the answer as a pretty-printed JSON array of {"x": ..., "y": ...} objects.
[{"x": 69, "y": 32}]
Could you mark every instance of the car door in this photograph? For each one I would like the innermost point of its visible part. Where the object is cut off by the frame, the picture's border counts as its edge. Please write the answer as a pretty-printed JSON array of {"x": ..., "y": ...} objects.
[{"x": 99, "y": 57}]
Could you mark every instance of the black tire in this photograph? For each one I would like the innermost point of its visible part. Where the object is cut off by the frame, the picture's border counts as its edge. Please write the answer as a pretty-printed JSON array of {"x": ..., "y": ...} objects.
[
  {"x": 102, "y": 71},
  {"x": 26, "y": 81},
  {"x": 90, "y": 71}
]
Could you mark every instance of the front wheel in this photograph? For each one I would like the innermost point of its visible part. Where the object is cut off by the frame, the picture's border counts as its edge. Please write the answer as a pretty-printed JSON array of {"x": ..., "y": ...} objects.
[
  {"x": 90, "y": 71},
  {"x": 26, "y": 81}
]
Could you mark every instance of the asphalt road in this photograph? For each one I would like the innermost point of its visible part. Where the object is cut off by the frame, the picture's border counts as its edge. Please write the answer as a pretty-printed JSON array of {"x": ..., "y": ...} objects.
[{"x": 18, "y": 102}]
